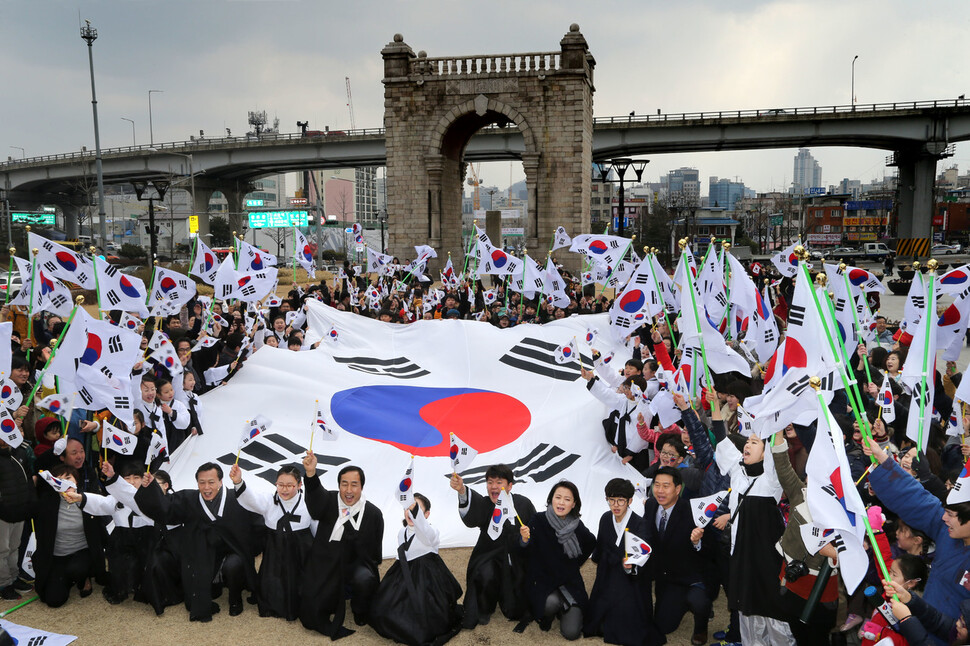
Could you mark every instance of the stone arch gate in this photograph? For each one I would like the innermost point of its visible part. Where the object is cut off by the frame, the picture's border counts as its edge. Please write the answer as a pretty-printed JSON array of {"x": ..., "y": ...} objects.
[{"x": 432, "y": 108}]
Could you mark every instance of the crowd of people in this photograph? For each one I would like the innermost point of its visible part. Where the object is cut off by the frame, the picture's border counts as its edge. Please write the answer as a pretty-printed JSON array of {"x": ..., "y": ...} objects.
[{"x": 318, "y": 547}]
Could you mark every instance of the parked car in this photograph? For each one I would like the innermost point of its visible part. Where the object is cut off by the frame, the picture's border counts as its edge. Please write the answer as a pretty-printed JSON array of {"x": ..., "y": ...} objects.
[
  {"x": 132, "y": 269},
  {"x": 15, "y": 283},
  {"x": 945, "y": 249}
]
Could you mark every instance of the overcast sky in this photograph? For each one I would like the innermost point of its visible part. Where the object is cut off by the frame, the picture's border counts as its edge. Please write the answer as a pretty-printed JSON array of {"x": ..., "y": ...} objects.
[{"x": 215, "y": 60}]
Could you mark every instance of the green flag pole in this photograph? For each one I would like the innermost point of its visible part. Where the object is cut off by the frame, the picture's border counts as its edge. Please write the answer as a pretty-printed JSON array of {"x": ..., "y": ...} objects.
[
  {"x": 30, "y": 305},
  {"x": 726, "y": 247},
  {"x": 697, "y": 319},
  {"x": 77, "y": 303},
  {"x": 649, "y": 254},
  {"x": 816, "y": 384},
  {"x": 471, "y": 240},
  {"x": 848, "y": 384},
  {"x": 97, "y": 281},
  {"x": 930, "y": 297},
  {"x": 613, "y": 269},
  {"x": 855, "y": 318}
]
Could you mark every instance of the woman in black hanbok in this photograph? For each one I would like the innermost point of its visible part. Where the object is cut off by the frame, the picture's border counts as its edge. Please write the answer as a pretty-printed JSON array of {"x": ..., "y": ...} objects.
[
  {"x": 288, "y": 539},
  {"x": 417, "y": 601}
]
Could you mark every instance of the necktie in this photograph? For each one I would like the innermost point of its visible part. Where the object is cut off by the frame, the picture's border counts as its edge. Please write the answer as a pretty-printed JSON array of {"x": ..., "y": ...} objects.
[{"x": 663, "y": 521}]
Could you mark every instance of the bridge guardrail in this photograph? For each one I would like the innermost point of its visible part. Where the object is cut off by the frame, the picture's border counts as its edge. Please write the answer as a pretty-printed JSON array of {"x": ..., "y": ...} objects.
[
  {"x": 337, "y": 135},
  {"x": 777, "y": 112},
  {"x": 178, "y": 146}
]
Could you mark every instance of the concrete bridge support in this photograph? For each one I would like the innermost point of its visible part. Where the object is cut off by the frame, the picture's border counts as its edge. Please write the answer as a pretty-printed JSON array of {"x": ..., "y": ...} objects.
[{"x": 917, "y": 177}]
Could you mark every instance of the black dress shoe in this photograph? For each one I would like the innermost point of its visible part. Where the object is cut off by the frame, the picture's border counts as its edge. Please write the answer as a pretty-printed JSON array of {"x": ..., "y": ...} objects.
[
  {"x": 86, "y": 592},
  {"x": 214, "y": 608},
  {"x": 9, "y": 593},
  {"x": 235, "y": 609}
]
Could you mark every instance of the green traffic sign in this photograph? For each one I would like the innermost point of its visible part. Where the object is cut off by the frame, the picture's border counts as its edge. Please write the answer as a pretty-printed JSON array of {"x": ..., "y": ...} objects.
[
  {"x": 264, "y": 219},
  {"x": 35, "y": 218}
]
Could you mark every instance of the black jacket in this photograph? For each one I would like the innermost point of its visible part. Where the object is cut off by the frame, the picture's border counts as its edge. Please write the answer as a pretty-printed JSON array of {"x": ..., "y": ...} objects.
[
  {"x": 17, "y": 492},
  {"x": 674, "y": 558}
]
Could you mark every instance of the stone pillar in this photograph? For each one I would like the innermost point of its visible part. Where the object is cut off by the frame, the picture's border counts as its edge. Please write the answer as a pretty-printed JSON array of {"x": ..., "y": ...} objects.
[
  {"x": 533, "y": 230},
  {"x": 434, "y": 164},
  {"x": 406, "y": 188}
]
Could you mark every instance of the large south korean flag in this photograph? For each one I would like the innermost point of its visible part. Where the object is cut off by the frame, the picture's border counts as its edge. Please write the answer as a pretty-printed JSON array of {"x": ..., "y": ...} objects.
[{"x": 390, "y": 391}]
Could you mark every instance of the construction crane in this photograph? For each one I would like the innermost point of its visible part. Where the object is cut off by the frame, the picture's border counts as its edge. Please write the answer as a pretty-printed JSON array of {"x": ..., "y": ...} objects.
[
  {"x": 350, "y": 104},
  {"x": 475, "y": 183}
]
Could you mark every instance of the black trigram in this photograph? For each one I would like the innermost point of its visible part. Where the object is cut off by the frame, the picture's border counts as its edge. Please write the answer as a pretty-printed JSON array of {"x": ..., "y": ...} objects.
[
  {"x": 226, "y": 291},
  {"x": 107, "y": 372},
  {"x": 248, "y": 290},
  {"x": 115, "y": 344},
  {"x": 50, "y": 267},
  {"x": 641, "y": 279},
  {"x": 840, "y": 304},
  {"x": 110, "y": 270},
  {"x": 769, "y": 335},
  {"x": 614, "y": 244},
  {"x": 796, "y": 315},
  {"x": 58, "y": 300},
  {"x": 85, "y": 396},
  {"x": 918, "y": 301},
  {"x": 48, "y": 246},
  {"x": 123, "y": 403},
  {"x": 112, "y": 297},
  {"x": 721, "y": 299}
]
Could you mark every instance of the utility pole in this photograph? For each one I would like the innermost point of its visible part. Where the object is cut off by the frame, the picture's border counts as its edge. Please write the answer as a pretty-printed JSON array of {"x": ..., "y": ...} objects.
[{"x": 89, "y": 34}]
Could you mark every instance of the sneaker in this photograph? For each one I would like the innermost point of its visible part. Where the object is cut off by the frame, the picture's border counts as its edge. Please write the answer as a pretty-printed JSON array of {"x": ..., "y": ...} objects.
[
  {"x": 851, "y": 622},
  {"x": 9, "y": 593},
  {"x": 23, "y": 586}
]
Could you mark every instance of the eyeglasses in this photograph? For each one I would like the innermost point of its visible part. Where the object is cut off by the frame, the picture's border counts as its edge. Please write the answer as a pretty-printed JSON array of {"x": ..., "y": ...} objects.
[
  {"x": 669, "y": 455},
  {"x": 615, "y": 502}
]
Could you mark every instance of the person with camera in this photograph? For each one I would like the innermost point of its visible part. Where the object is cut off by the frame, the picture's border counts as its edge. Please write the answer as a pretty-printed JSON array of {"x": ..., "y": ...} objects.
[{"x": 801, "y": 569}]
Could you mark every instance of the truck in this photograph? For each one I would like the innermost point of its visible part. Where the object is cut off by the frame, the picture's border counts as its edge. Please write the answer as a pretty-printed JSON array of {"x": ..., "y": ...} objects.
[{"x": 874, "y": 251}]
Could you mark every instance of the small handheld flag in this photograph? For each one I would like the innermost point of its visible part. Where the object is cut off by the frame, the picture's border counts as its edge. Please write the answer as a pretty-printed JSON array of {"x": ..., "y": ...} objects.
[
  {"x": 886, "y": 402},
  {"x": 319, "y": 423},
  {"x": 156, "y": 448},
  {"x": 405, "y": 490},
  {"x": 28, "y": 563},
  {"x": 118, "y": 440},
  {"x": 58, "y": 404},
  {"x": 566, "y": 353},
  {"x": 333, "y": 335},
  {"x": 461, "y": 454},
  {"x": 637, "y": 550},
  {"x": 503, "y": 513},
  {"x": 59, "y": 485},
  {"x": 9, "y": 432},
  {"x": 706, "y": 508}
]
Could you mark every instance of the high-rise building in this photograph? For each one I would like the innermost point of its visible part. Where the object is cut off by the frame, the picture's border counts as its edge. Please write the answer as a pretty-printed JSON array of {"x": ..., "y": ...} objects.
[
  {"x": 724, "y": 193},
  {"x": 808, "y": 172},
  {"x": 366, "y": 204},
  {"x": 684, "y": 185}
]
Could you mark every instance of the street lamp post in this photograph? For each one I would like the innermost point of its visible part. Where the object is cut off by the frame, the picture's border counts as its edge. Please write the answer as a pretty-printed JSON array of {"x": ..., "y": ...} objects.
[
  {"x": 852, "y": 89},
  {"x": 620, "y": 165},
  {"x": 151, "y": 132},
  {"x": 382, "y": 218},
  {"x": 160, "y": 186},
  {"x": 23, "y": 154},
  {"x": 89, "y": 34},
  {"x": 132, "y": 122}
]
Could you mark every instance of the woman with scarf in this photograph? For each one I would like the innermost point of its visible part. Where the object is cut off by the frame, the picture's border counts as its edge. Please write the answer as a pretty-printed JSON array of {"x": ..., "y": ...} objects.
[
  {"x": 755, "y": 525},
  {"x": 558, "y": 544},
  {"x": 290, "y": 532}
]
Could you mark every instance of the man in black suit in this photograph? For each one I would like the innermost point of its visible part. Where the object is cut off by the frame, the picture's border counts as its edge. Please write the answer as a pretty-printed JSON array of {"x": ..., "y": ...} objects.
[{"x": 678, "y": 565}]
